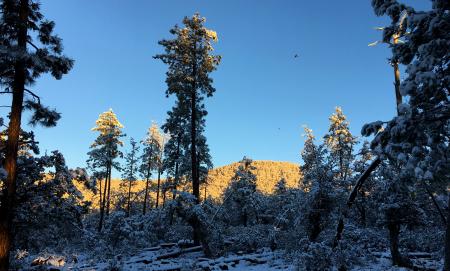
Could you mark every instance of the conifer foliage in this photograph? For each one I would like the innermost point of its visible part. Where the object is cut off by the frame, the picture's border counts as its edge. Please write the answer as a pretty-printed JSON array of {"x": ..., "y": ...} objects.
[
  {"x": 190, "y": 62},
  {"x": 28, "y": 49},
  {"x": 104, "y": 152}
]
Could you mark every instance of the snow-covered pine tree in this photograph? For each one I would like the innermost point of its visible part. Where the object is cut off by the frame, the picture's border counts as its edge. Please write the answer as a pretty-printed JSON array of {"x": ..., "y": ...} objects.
[
  {"x": 317, "y": 181},
  {"x": 28, "y": 49},
  {"x": 340, "y": 142},
  {"x": 130, "y": 170},
  {"x": 190, "y": 62},
  {"x": 418, "y": 138},
  {"x": 105, "y": 151},
  {"x": 176, "y": 164},
  {"x": 240, "y": 197},
  {"x": 150, "y": 158}
]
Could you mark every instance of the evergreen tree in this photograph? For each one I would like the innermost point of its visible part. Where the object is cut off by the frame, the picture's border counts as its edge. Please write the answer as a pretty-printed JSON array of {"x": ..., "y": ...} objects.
[
  {"x": 317, "y": 176},
  {"x": 150, "y": 157},
  {"x": 104, "y": 152},
  {"x": 417, "y": 140},
  {"x": 340, "y": 142},
  {"x": 130, "y": 170},
  {"x": 28, "y": 49},
  {"x": 240, "y": 197},
  {"x": 190, "y": 62}
]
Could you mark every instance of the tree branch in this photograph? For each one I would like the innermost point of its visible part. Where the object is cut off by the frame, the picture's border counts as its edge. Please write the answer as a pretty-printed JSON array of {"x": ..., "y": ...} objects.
[{"x": 34, "y": 95}]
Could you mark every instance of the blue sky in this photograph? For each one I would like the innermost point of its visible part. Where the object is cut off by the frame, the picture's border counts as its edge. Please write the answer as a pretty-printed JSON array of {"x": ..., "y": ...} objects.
[{"x": 264, "y": 95}]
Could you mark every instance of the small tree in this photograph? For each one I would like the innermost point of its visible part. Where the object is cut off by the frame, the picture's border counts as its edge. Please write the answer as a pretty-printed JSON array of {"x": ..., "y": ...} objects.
[
  {"x": 240, "y": 197},
  {"x": 104, "y": 152},
  {"x": 130, "y": 170},
  {"x": 340, "y": 142},
  {"x": 150, "y": 157},
  {"x": 317, "y": 177}
]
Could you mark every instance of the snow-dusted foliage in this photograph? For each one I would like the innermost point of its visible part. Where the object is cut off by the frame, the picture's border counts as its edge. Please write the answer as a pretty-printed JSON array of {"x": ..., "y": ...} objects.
[
  {"x": 241, "y": 198},
  {"x": 416, "y": 142}
]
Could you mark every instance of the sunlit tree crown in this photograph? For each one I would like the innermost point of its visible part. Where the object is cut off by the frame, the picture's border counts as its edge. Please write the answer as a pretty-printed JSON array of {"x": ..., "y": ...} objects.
[{"x": 108, "y": 124}]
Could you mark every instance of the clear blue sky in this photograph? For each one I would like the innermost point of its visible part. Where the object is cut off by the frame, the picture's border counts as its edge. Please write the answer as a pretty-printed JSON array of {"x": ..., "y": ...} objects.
[{"x": 264, "y": 95}]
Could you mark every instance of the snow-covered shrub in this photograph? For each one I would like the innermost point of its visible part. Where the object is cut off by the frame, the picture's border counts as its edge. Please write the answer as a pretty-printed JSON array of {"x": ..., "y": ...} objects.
[
  {"x": 316, "y": 256},
  {"x": 249, "y": 239}
]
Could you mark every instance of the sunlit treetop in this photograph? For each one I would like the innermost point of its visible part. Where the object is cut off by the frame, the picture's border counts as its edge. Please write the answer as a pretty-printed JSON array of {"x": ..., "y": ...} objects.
[
  {"x": 189, "y": 57},
  {"x": 339, "y": 131},
  {"x": 107, "y": 123}
]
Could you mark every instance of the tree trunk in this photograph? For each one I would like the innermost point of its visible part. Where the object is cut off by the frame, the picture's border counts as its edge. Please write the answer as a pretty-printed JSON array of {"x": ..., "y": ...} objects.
[
  {"x": 103, "y": 204},
  {"x": 398, "y": 96},
  {"x": 12, "y": 144},
  {"x": 164, "y": 198},
  {"x": 146, "y": 191},
  {"x": 100, "y": 189},
  {"x": 447, "y": 239},
  {"x": 129, "y": 198},
  {"x": 158, "y": 187},
  {"x": 109, "y": 189},
  {"x": 397, "y": 258},
  {"x": 149, "y": 167},
  {"x": 194, "y": 164}
]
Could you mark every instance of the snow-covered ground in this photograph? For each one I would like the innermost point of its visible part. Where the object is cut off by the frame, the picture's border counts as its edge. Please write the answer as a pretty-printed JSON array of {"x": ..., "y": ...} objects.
[{"x": 171, "y": 257}]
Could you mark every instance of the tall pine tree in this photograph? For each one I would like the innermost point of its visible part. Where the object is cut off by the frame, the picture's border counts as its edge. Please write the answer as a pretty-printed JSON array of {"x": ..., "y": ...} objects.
[
  {"x": 28, "y": 49},
  {"x": 190, "y": 62}
]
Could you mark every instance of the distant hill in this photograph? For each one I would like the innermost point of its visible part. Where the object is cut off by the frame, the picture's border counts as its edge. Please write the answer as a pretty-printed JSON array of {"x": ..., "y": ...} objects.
[{"x": 268, "y": 173}]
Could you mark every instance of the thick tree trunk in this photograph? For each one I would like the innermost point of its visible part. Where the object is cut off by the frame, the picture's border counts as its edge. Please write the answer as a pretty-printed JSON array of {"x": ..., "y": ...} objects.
[
  {"x": 103, "y": 204},
  {"x": 158, "y": 187},
  {"x": 397, "y": 258},
  {"x": 447, "y": 239},
  {"x": 194, "y": 163},
  {"x": 12, "y": 144},
  {"x": 398, "y": 95}
]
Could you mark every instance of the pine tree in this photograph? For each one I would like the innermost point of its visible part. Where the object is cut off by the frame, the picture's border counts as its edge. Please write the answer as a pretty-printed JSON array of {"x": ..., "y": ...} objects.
[
  {"x": 240, "y": 197},
  {"x": 105, "y": 150},
  {"x": 130, "y": 170},
  {"x": 416, "y": 141},
  {"x": 316, "y": 171},
  {"x": 340, "y": 142},
  {"x": 28, "y": 49},
  {"x": 150, "y": 157},
  {"x": 190, "y": 62}
]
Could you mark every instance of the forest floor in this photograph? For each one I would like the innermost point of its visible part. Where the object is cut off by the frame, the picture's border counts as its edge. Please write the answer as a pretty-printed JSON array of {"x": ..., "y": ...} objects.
[{"x": 171, "y": 257}]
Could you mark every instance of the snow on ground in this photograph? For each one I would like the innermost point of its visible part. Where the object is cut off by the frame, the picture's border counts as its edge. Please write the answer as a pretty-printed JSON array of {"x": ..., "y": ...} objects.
[{"x": 171, "y": 257}]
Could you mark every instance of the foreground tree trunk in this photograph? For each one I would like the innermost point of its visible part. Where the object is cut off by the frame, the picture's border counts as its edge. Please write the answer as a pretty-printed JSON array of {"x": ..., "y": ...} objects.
[
  {"x": 12, "y": 144},
  {"x": 397, "y": 258},
  {"x": 447, "y": 239}
]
